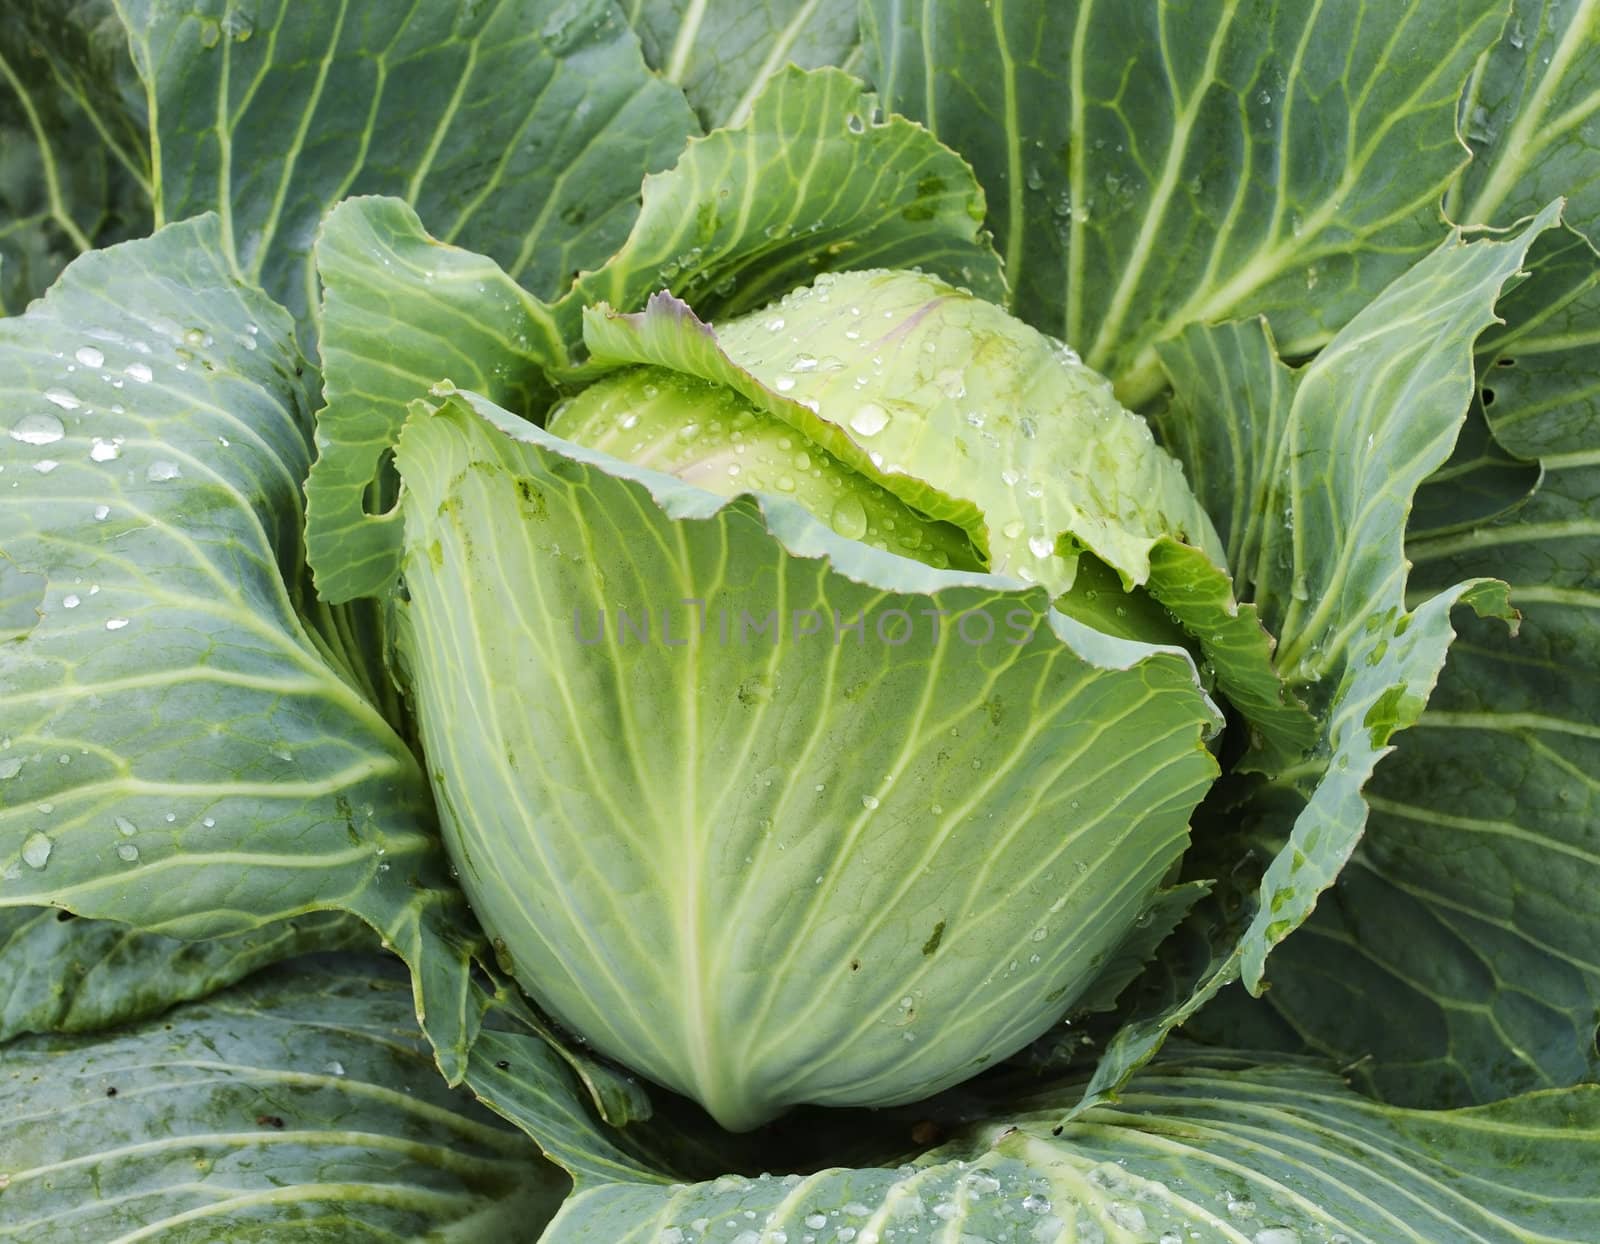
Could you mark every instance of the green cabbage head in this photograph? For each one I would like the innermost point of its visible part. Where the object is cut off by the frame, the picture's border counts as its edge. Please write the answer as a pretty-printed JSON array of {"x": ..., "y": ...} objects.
[{"x": 812, "y": 706}]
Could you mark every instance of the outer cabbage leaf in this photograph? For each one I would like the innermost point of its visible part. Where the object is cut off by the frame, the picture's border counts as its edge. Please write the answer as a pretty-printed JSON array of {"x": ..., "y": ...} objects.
[
  {"x": 518, "y": 128},
  {"x": 1530, "y": 116},
  {"x": 724, "y": 52},
  {"x": 629, "y": 795},
  {"x": 1152, "y": 165},
  {"x": 63, "y": 190},
  {"x": 1217, "y": 1149},
  {"x": 1470, "y": 904},
  {"x": 177, "y": 751},
  {"x": 402, "y": 311},
  {"x": 304, "y": 1103},
  {"x": 1339, "y": 447},
  {"x": 62, "y": 974}
]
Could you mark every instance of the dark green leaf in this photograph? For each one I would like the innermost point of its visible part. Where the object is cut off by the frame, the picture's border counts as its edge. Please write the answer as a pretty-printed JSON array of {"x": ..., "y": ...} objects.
[
  {"x": 59, "y": 973},
  {"x": 518, "y": 127},
  {"x": 1155, "y": 165},
  {"x": 724, "y": 52},
  {"x": 1217, "y": 1149},
  {"x": 303, "y": 1104}
]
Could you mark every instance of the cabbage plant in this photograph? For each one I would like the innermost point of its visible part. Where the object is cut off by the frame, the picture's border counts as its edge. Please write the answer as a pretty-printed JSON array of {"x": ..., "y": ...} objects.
[{"x": 800, "y": 622}]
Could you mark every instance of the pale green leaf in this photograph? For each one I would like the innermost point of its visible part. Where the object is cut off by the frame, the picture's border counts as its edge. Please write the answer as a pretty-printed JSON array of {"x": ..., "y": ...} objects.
[
  {"x": 676, "y": 773},
  {"x": 975, "y": 419}
]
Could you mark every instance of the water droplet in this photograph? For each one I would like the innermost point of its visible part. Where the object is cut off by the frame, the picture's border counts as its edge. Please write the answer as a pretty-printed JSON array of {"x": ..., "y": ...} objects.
[
  {"x": 116, "y": 624},
  {"x": 869, "y": 419},
  {"x": 90, "y": 357},
  {"x": 1128, "y": 1216},
  {"x": 783, "y": 383},
  {"x": 45, "y": 465},
  {"x": 10, "y": 767},
  {"x": 139, "y": 372},
  {"x": 127, "y": 827},
  {"x": 816, "y": 1221},
  {"x": 36, "y": 850},
  {"x": 804, "y": 362},
  {"x": 1013, "y": 530},
  {"x": 849, "y": 518},
  {"x": 101, "y": 512},
  {"x": 1041, "y": 546},
  {"x": 162, "y": 470},
  {"x": 37, "y": 430},
  {"x": 869, "y": 802},
  {"x": 335, "y": 1068},
  {"x": 62, "y": 398},
  {"x": 1009, "y": 477},
  {"x": 127, "y": 852},
  {"x": 104, "y": 450},
  {"x": 785, "y": 483}
]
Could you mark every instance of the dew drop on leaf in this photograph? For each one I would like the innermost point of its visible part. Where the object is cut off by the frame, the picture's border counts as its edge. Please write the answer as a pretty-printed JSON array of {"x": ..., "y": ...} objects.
[
  {"x": 36, "y": 850},
  {"x": 849, "y": 518},
  {"x": 37, "y": 430},
  {"x": 869, "y": 419}
]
